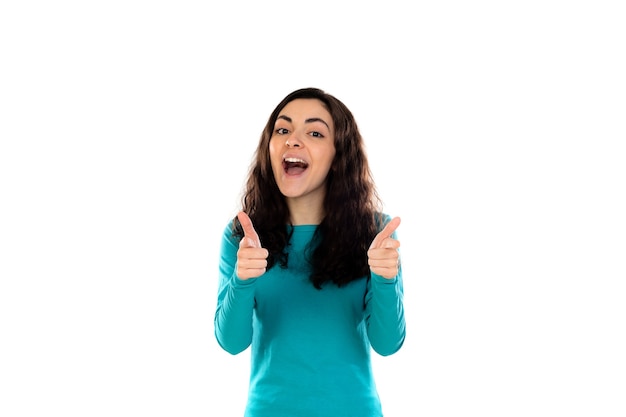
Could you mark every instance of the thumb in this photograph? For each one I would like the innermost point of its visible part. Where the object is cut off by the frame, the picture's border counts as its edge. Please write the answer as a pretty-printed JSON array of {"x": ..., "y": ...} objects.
[
  {"x": 386, "y": 232},
  {"x": 250, "y": 236}
]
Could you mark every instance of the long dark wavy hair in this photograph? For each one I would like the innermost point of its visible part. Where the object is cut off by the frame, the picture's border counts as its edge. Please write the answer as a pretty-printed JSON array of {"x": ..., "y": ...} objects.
[{"x": 352, "y": 205}]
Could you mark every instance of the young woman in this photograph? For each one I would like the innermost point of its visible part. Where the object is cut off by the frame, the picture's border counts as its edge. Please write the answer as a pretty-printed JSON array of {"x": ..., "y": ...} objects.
[{"x": 310, "y": 275}]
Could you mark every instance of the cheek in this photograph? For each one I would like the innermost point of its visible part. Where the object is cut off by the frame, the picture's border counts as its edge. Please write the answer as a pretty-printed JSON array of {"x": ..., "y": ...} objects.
[
  {"x": 274, "y": 148},
  {"x": 330, "y": 160},
  {"x": 275, "y": 156}
]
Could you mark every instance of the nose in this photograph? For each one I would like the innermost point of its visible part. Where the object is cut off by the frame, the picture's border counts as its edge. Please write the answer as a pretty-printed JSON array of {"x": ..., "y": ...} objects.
[{"x": 293, "y": 142}]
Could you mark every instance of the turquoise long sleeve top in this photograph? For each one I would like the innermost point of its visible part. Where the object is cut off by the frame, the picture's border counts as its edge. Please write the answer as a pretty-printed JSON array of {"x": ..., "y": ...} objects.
[{"x": 310, "y": 348}]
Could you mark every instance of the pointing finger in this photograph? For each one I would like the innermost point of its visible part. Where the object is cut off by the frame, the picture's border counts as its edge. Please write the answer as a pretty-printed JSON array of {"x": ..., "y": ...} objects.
[
  {"x": 250, "y": 236},
  {"x": 386, "y": 232}
]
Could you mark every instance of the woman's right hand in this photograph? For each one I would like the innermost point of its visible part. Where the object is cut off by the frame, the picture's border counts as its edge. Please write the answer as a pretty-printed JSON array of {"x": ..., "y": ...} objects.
[{"x": 251, "y": 257}]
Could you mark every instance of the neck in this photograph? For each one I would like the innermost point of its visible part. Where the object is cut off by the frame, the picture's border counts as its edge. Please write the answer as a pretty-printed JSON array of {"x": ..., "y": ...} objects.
[{"x": 304, "y": 211}]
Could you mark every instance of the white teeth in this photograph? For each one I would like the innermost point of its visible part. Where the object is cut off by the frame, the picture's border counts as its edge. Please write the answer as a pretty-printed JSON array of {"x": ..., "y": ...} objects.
[{"x": 295, "y": 160}]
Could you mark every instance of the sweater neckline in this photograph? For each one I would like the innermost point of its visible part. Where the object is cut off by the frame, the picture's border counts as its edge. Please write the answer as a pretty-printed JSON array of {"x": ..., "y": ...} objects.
[{"x": 303, "y": 227}]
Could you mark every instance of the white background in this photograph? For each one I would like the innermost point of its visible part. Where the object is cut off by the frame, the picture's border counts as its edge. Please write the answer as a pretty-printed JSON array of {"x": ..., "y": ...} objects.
[{"x": 494, "y": 129}]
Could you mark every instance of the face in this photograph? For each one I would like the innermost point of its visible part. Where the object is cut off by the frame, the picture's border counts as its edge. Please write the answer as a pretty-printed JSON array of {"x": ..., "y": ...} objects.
[{"x": 302, "y": 148}]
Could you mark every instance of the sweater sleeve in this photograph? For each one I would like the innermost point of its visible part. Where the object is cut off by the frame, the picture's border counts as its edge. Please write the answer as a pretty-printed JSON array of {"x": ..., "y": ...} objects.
[
  {"x": 384, "y": 313},
  {"x": 235, "y": 300}
]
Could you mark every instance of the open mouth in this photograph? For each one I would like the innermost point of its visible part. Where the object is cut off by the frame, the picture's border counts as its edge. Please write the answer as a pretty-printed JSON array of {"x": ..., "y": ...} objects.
[{"x": 294, "y": 166}]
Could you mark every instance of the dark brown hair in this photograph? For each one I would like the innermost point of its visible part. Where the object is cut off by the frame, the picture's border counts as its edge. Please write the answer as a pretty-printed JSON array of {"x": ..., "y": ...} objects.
[{"x": 352, "y": 206}]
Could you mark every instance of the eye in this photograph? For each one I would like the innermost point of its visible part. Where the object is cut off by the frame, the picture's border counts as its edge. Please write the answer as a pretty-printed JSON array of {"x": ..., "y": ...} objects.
[
  {"x": 316, "y": 134},
  {"x": 281, "y": 131}
]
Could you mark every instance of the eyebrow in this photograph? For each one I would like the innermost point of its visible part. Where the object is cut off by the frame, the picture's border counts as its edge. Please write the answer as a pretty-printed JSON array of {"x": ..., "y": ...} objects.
[{"x": 310, "y": 120}]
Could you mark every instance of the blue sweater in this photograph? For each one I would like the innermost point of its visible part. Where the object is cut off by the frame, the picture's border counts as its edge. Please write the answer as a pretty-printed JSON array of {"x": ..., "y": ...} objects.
[{"x": 310, "y": 348}]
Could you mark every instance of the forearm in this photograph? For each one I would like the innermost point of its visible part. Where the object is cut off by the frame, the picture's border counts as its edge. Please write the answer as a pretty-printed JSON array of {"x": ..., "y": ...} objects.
[
  {"x": 386, "y": 327},
  {"x": 233, "y": 316}
]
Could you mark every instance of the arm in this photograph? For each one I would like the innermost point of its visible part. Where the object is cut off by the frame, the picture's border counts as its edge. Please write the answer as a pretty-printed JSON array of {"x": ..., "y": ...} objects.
[
  {"x": 235, "y": 300},
  {"x": 384, "y": 308},
  {"x": 384, "y": 313}
]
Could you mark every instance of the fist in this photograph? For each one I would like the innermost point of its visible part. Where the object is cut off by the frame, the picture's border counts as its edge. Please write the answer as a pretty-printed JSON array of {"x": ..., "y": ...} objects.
[
  {"x": 251, "y": 257},
  {"x": 383, "y": 256}
]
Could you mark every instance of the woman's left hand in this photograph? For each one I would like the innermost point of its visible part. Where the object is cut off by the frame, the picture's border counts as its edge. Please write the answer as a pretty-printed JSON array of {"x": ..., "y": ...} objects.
[{"x": 383, "y": 256}]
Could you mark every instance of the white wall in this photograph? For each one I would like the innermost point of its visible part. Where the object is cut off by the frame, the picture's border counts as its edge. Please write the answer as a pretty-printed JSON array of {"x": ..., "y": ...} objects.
[{"x": 493, "y": 129}]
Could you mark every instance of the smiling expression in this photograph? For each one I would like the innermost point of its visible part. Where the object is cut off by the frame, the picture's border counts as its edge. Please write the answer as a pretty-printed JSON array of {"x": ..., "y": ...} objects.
[{"x": 302, "y": 148}]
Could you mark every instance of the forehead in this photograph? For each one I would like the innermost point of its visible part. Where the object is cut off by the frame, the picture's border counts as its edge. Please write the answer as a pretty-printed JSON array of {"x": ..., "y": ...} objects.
[{"x": 302, "y": 109}]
